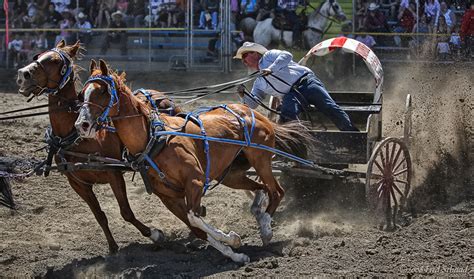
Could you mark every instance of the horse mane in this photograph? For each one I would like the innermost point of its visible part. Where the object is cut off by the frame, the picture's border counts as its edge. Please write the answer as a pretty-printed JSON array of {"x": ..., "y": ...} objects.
[
  {"x": 122, "y": 88},
  {"x": 76, "y": 69}
]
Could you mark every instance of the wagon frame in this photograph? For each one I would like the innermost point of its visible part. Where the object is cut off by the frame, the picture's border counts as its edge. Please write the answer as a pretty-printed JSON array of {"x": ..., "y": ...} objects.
[{"x": 389, "y": 170}]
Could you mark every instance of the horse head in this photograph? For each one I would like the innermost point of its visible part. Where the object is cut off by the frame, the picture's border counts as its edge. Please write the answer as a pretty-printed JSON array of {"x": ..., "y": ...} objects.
[
  {"x": 50, "y": 71},
  {"x": 101, "y": 98},
  {"x": 328, "y": 10}
]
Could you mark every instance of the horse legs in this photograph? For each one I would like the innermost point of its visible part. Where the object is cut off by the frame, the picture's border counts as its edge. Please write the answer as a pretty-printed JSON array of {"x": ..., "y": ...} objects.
[
  {"x": 239, "y": 180},
  {"x": 261, "y": 161},
  {"x": 86, "y": 193},
  {"x": 117, "y": 184},
  {"x": 178, "y": 207},
  {"x": 215, "y": 237}
]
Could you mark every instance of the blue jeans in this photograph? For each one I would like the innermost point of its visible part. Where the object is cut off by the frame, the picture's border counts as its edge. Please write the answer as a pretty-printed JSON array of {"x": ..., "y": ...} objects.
[
  {"x": 203, "y": 22},
  {"x": 313, "y": 93}
]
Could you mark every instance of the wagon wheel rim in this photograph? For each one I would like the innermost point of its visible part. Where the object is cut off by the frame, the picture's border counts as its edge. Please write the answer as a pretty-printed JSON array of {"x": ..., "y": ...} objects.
[{"x": 388, "y": 180}]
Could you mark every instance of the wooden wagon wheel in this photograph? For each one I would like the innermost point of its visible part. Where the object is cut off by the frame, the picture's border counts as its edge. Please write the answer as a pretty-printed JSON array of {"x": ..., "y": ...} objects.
[{"x": 388, "y": 180}]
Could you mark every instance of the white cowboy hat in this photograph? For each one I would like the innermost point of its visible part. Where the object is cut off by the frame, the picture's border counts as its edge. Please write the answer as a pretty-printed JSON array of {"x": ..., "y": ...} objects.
[
  {"x": 250, "y": 47},
  {"x": 373, "y": 7},
  {"x": 118, "y": 13}
]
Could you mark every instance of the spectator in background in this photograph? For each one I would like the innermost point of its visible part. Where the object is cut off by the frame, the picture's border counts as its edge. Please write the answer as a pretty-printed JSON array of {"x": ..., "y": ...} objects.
[
  {"x": 14, "y": 48},
  {"x": 248, "y": 8},
  {"x": 61, "y": 5},
  {"x": 288, "y": 8},
  {"x": 455, "y": 43},
  {"x": 136, "y": 13},
  {"x": 449, "y": 16},
  {"x": 85, "y": 33},
  {"x": 467, "y": 31},
  {"x": 120, "y": 37},
  {"x": 419, "y": 43},
  {"x": 19, "y": 13},
  {"x": 209, "y": 13},
  {"x": 105, "y": 9},
  {"x": 365, "y": 38},
  {"x": 431, "y": 10},
  {"x": 406, "y": 21},
  {"x": 40, "y": 43},
  {"x": 179, "y": 14},
  {"x": 52, "y": 17},
  {"x": 66, "y": 23},
  {"x": 159, "y": 13},
  {"x": 122, "y": 5},
  {"x": 391, "y": 6},
  {"x": 27, "y": 49},
  {"x": 266, "y": 9},
  {"x": 442, "y": 39},
  {"x": 361, "y": 13},
  {"x": 376, "y": 22},
  {"x": 235, "y": 11}
]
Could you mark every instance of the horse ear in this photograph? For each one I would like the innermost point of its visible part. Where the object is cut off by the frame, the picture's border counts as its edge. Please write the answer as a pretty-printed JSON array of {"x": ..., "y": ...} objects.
[
  {"x": 74, "y": 49},
  {"x": 61, "y": 44},
  {"x": 92, "y": 66},
  {"x": 103, "y": 67}
]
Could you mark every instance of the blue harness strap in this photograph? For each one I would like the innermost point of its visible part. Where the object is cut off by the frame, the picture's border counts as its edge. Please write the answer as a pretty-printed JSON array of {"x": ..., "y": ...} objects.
[
  {"x": 147, "y": 95},
  {"x": 114, "y": 99},
  {"x": 66, "y": 72},
  {"x": 203, "y": 135}
]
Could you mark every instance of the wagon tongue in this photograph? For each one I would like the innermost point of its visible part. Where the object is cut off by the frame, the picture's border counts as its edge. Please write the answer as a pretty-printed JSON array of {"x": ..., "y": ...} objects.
[{"x": 6, "y": 198}]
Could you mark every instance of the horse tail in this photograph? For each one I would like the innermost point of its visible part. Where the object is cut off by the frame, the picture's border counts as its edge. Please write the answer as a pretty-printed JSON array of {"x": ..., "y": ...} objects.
[{"x": 293, "y": 137}]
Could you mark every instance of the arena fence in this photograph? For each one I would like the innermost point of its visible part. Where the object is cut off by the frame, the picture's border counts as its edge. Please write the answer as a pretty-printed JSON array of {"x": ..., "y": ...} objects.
[{"x": 194, "y": 49}]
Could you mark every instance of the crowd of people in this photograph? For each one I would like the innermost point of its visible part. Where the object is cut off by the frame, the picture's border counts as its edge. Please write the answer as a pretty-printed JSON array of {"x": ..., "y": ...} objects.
[
  {"x": 453, "y": 28},
  {"x": 443, "y": 29}
]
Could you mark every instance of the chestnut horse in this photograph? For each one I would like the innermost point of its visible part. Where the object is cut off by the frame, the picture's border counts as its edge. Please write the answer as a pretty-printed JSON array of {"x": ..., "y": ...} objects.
[
  {"x": 181, "y": 170},
  {"x": 54, "y": 73}
]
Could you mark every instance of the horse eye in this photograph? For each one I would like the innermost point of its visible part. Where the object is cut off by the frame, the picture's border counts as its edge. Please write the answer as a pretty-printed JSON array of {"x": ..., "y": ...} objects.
[
  {"x": 36, "y": 56},
  {"x": 336, "y": 8}
]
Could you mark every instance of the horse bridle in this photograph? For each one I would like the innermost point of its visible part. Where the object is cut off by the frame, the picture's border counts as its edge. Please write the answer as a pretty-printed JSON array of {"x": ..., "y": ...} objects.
[
  {"x": 114, "y": 99},
  {"x": 66, "y": 72}
]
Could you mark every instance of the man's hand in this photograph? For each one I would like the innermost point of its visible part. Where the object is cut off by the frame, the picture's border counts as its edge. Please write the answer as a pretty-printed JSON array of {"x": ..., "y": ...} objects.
[{"x": 266, "y": 72}]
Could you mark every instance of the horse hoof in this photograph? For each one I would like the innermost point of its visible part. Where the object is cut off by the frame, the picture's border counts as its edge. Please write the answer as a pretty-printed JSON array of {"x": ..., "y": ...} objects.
[
  {"x": 235, "y": 241},
  {"x": 157, "y": 236},
  {"x": 266, "y": 232},
  {"x": 240, "y": 258}
]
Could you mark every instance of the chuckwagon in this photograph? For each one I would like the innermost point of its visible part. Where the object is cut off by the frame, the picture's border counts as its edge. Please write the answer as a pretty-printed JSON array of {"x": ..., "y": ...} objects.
[{"x": 347, "y": 153}]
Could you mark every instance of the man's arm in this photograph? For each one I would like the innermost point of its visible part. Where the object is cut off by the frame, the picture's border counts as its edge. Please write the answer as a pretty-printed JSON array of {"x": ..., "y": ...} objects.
[{"x": 280, "y": 58}]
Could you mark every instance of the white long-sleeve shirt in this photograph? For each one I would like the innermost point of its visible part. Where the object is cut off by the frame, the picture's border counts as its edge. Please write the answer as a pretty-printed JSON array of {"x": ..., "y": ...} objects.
[{"x": 282, "y": 66}]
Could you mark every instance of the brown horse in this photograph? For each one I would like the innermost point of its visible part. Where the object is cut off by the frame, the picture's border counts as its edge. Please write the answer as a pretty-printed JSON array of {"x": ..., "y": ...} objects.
[
  {"x": 181, "y": 170},
  {"x": 45, "y": 75}
]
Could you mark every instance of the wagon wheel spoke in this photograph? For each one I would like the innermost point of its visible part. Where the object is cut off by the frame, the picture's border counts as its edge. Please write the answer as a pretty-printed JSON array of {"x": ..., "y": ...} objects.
[
  {"x": 398, "y": 190},
  {"x": 378, "y": 166},
  {"x": 379, "y": 185},
  {"x": 390, "y": 161},
  {"x": 384, "y": 163},
  {"x": 381, "y": 189},
  {"x": 401, "y": 172},
  {"x": 376, "y": 176},
  {"x": 401, "y": 181},
  {"x": 396, "y": 157},
  {"x": 399, "y": 164}
]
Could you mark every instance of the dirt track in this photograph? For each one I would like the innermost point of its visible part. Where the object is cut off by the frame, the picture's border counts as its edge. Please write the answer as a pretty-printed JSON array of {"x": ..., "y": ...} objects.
[{"x": 324, "y": 232}]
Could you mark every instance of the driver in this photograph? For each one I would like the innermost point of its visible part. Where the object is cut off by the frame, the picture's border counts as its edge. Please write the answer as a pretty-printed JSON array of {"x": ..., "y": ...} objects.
[{"x": 296, "y": 85}]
